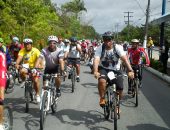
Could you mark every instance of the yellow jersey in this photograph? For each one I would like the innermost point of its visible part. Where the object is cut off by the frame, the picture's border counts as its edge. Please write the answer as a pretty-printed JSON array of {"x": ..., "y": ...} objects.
[{"x": 29, "y": 57}]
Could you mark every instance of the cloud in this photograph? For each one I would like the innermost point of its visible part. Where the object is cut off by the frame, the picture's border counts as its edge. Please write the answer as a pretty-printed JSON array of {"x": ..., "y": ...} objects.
[{"x": 105, "y": 14}]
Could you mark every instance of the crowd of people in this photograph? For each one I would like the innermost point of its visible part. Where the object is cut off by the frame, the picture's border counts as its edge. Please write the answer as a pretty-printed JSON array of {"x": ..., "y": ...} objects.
[{"x": 102, "y": 57}]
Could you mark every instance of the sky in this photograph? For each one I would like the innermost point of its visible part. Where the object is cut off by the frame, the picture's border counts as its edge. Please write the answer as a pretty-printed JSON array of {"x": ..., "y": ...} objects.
[{"x": 110, "y": 15}]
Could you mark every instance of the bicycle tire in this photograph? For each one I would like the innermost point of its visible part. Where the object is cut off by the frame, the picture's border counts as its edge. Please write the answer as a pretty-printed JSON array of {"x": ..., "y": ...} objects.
[
  {"x": 73, "y": 79},
  {"x": 8, "y": 118},
  {"x": 106, "y": 107},
  {"x": 136, "y": 92},
  {"x": 10, "y": 85},
  {"x": 43, "y": 111},
  {"x": 27, "y": 98},
  {"x": 53, "y": 102},
  {"x": 114, "y": 111}
]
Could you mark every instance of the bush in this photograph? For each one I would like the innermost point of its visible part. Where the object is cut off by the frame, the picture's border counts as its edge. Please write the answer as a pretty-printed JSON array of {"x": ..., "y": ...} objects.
[{"x": 156, "y": 64}]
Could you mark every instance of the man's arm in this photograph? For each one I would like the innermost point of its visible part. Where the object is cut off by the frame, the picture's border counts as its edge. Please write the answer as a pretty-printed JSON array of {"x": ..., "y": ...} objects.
[
  {"x": 125, "y": 60},
  {"x": 18, "y": 61}
]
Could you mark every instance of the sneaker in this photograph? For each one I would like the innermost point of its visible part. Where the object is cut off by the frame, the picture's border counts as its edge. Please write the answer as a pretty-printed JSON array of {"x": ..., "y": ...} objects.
[
  {"x": 129, "y": 91},
  {"x": 102, "y": 102},
  {"x": 140, "y": 85},
  {"x": 69, "y": 76},
  {"x": 2, "y": 127},
  {"x": 58, "y": 93},
  {"x": 78, "y": 79},
  {"x": 38, "y": 99}
]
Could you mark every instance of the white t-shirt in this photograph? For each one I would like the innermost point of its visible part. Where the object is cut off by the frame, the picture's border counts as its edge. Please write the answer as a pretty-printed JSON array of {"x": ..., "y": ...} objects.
[
  {"x": 73, "y": 52},
  {"x": 111, "y": 57}
]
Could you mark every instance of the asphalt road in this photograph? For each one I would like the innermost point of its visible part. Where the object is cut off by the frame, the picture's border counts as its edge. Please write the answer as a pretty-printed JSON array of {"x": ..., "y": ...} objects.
[{"x": 80, "y": 110}]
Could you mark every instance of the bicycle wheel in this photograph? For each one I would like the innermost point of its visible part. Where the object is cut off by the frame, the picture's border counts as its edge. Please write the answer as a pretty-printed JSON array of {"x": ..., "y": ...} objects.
[
  {"x": 114, "y": 111},
  {"x": 136, "y": 91},
  {"x": 106, "y": 107},
  {"x": 10, "y": 84},
  {"x": 54, "y": 101},
  {"x": 73, "y": 79},
  {"x": 27, "y": 97},
  {"x": 8, "y": 118},
  {"x": 43, "y": 110}
]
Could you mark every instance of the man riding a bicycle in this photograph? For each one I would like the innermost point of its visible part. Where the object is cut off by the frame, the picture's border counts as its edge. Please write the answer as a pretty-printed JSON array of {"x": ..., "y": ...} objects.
[
  {"x": 137, "y": 56},
  {"x": 53, "y": 57},
  {"x": 107, "y": 58},
  {"x": 28, "y": 56},
  {"x": 74, "y": 56}
]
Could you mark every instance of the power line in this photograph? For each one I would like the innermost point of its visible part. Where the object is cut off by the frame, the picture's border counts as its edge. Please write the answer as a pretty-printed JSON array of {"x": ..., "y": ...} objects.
[{"x": 140, "y": 7}]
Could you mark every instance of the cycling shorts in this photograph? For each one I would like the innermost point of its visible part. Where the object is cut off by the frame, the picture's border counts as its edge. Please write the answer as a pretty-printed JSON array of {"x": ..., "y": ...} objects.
[
  {"x": 72, "y": 61},
  {"x": 118, "y": 81}
]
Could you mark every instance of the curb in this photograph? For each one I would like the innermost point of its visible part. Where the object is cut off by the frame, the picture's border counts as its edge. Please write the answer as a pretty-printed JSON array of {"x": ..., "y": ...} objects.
[{"x": 159, "y": 74}]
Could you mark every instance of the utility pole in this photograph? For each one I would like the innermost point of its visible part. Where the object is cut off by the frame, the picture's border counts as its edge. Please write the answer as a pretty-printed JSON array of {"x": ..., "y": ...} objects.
[
  {"x": 146, "y": 24},
  {"x": 128, "y": 22},
  {"x": 116, "y": 31}
]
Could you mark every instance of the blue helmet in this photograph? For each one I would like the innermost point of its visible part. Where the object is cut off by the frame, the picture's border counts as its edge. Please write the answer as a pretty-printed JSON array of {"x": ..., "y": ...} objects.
[
  {"x": 73, "y": 39},
  {"x": 107, "y": 36}
]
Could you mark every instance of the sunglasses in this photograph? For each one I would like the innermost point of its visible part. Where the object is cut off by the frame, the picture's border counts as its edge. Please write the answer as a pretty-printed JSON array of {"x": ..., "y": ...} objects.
[{"x": 52, "y": 43}]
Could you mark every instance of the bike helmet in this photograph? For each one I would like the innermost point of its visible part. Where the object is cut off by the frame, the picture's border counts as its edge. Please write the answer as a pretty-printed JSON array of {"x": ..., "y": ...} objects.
[
  {"x": 134, "y": 41},
  {"x": 73, "y": 39},
  {"x": 52, "y": 38},
  {"x": 107, "y": 36},
  {"x": 1, "y": 40},
  {"x": 27, "y": 40},
  {"x": 66, "y": 41},
  {"x": 14, "y": 39}
]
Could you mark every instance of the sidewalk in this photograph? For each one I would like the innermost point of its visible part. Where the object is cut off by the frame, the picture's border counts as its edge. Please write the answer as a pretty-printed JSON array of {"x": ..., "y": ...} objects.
[{"x": 165, "y": 77}]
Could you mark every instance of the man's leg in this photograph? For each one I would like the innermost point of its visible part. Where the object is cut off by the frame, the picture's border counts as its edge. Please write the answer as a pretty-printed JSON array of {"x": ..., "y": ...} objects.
[
  {"x": 102, "y": 89},
  {"x": 37, "y": 88}
]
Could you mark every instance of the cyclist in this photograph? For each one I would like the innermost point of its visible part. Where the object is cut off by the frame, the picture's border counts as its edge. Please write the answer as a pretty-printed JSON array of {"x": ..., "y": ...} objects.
[
  {"x": 107, "y": 58},
  {"x": 136, "y": 55},
  {"x": 5, "y": 50},
  {"x": 28, "y": 55},
  {"x": 15, "y": 47},
  {"x": 84, "y": 47},
  {"x": 74, "y": 56},
  {"x": 3, "y": 70},
  {"x": 53, "y": 58}
]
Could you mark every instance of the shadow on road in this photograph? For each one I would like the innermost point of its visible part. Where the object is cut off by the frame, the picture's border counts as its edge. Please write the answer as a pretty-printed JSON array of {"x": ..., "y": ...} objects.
[
  {"x": 76, "y": 118},
  {"x": 89, "y": 85},
  {"x": 146, "y": 127}
]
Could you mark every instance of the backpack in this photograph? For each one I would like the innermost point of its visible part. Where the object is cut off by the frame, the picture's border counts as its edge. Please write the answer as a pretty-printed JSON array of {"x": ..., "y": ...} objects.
[{"x": 103, "y": 51}]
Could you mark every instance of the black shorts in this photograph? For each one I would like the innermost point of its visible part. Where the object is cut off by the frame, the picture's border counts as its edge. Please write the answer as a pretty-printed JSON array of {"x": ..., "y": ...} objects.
[
  {"x": 118, "y": 81},
  {"x": 51, "y": 71},
  {"x": 73, "y": 61}
]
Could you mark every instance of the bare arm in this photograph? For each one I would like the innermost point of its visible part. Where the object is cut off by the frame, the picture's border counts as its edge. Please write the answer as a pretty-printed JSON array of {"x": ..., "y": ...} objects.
[
  {"x": 39, "y": 63},
  {"x": 18, "y": 61},
  {"x": 96, "y": 64},
  {"x": 61, "y": 62},
  {"x": 125, "y": 60}
]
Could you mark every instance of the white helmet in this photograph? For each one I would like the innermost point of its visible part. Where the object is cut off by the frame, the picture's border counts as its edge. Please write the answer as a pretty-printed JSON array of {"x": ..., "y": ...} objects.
[
  {"x": 28, "y": 40},
  {"x": 66, "y": 41},
  {"x": 135, "y": 41},
  {"x": 14, "y": 39},
  {"x": 52, "y": 38}
]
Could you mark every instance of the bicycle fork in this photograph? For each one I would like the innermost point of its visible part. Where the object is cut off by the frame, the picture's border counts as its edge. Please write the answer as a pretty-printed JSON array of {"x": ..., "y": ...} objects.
[{"x": 48, "y": 99}]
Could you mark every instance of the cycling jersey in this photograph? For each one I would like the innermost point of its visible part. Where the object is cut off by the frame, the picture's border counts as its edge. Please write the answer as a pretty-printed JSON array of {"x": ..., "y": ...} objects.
[
  {"x": 5, "y": 50},
  {"x": 29, "y": 57},
  {"x": 73, "y": 52},
  {"x": 135, "y": 56},
  {"x": 51, "y": 58},
  {"x": 14, "y": 49},
  {"x": 3, "y": 70},
  {"x": 110, "y": 60}
]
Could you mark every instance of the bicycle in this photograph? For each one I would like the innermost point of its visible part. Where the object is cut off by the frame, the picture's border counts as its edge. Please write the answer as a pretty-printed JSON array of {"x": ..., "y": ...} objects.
[
  {"x": 72, "y": 74},
  {"x": 8, "y": 118},
  {"x": 29, "y": 90},
  {"x": 112, "y": 106},
  {"x": 48, "y": 97},
  {"x": 133, "y": 84}
]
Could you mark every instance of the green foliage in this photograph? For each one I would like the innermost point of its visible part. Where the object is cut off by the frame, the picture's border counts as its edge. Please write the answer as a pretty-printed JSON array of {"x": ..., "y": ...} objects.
[
  {"x": 38, "y": 19},
  {"x": 156, "y": 64}
]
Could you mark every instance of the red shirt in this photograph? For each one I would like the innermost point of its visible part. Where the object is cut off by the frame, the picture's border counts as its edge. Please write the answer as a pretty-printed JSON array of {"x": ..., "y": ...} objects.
[{"x": 135, "y": 56}]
